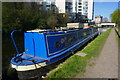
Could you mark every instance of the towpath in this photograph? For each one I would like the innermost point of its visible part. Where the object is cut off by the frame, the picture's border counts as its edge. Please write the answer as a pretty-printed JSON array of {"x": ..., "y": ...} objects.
[{"x": 106, "y": 65}]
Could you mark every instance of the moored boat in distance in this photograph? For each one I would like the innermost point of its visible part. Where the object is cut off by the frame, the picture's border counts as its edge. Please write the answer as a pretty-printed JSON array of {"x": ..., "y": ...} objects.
[{"x": 45, "y": 47}]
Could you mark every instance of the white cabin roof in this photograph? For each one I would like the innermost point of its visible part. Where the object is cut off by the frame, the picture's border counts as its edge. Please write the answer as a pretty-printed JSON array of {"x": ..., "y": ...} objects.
[{"x": 36, "y": 30}]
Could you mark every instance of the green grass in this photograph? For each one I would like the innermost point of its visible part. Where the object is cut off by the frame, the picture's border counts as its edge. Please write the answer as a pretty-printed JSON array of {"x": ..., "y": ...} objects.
[
  {"x": 118, "y": 28},
  {"x": 77, "y": 64},
  {"x": 117, "y": 38}
]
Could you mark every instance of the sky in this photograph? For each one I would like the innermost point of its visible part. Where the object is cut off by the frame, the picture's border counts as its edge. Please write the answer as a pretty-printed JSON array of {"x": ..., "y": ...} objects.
[
  {"x": 105, "y": 8},
  {"x": 106, "y": 0}
]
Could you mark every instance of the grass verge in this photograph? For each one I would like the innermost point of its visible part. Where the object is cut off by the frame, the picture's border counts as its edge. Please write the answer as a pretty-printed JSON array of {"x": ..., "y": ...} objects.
[
  {"x": 118, "y": 39},
  {"x": 118, "y": 28},
  {"x": 77, "y": 64}
]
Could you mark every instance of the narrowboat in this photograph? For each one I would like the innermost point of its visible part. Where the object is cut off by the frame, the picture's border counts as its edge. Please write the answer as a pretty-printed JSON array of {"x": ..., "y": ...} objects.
[{"x": 45, "y": 47}]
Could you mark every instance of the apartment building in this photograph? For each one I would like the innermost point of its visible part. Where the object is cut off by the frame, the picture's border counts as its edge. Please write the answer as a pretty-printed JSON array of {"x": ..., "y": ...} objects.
[
  {"x": 98, "y": 19},
  {"x": 46, "y": 4},
  {"x": 60, "y": 4},
  {"x": 77, "y": 8},
  {"x": 86, "y": 8}
]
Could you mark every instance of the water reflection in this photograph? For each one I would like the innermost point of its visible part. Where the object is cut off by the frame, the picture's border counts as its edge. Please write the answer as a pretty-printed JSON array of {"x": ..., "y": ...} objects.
[{"x": 8, "y": 51}]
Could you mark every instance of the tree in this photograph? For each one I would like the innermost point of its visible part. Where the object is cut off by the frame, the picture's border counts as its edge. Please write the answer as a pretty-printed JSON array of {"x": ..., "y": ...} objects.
[
  {"x": 9, "y": 16},
  {"x": 23, "y": 15},
  {"x": 48, "y": 18},
  {"x": 115, "y": 17},
  {"x": 30, "y": 15},
  {"x": 62, "y": 19},
  {"x": 52, "y": 21}
]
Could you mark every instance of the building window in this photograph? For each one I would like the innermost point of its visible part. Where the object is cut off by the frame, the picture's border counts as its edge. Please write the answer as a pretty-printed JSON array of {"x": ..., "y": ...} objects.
[
  {"x": 86, "y": 5},
  {"x": 79, "y": 13},
  {"x": 68, "y": 3},
  {"x": 47, "y": 5},
  {"x": 80, "y": 3},
  {"x": 79, "y": 6},
  {"x": 79, "y": 9}
]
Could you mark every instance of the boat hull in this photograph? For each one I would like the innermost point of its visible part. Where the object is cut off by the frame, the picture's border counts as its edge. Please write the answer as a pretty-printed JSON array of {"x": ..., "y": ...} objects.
[{"x": 48, "y": 52}]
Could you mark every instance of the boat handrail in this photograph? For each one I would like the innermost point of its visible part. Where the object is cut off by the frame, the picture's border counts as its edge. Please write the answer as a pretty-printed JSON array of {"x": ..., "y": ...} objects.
[{"x": 12, "y": 36}]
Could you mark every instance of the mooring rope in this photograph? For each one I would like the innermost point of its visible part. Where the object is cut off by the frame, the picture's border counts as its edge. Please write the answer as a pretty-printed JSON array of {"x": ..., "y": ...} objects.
[{"x": 36, "y": 57}]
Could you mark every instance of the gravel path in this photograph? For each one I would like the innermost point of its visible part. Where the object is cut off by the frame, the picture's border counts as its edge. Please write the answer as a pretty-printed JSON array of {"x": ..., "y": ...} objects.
[{"x": 106, "y": 65}]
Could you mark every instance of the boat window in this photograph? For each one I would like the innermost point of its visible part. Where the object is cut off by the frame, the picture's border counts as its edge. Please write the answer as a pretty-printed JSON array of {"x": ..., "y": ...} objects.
[{"x": 57, "y": 44}]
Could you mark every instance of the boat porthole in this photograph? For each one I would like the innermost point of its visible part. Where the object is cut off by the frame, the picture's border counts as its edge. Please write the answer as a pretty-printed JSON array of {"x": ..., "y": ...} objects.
[{"x": 57, "y": 44}]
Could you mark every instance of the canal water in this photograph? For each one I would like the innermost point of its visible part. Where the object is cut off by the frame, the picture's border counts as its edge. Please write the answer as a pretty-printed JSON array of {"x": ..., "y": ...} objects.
[{"x": 8, "y": 51}]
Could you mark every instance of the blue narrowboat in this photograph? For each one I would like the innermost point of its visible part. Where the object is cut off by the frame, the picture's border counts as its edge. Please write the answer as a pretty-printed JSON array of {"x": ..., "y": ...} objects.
[{"x": 42, "y": 48}]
